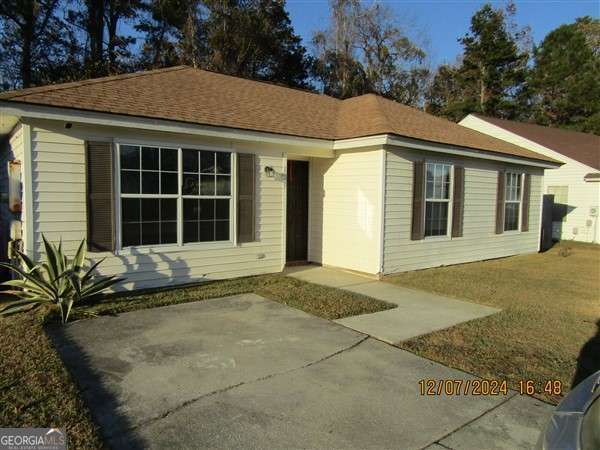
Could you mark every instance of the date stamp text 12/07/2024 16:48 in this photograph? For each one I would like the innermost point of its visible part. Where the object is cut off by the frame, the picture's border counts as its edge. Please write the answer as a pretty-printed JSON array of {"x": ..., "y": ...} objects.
[{"x": 486, "y": 387}]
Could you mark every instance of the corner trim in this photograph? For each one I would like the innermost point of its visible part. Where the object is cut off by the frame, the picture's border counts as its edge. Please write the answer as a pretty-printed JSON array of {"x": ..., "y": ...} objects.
[
  {"x": 28, "y": 192},
  {"x": 383, "y": 204}
]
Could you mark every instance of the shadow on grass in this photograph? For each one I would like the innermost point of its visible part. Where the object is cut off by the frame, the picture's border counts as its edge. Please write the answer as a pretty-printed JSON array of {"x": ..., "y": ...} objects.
[
  {"x": 115, "y": 427},
  {"x": 588, "y": 361}
]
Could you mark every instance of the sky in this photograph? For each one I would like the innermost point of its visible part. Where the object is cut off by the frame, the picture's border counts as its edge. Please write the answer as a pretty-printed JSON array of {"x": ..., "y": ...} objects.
[{"x": 437, "y": 24}]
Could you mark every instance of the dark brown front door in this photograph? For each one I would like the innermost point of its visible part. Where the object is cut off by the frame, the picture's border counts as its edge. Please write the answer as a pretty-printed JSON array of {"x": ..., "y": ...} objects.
[{"x": 297, "y": 211}]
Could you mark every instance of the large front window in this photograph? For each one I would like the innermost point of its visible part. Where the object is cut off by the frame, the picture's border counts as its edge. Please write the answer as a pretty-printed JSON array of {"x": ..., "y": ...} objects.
[
  {"x": 437, "y": 199},
  {"x": 156, "y": 209},
  {"x": 512, "y": 201}
]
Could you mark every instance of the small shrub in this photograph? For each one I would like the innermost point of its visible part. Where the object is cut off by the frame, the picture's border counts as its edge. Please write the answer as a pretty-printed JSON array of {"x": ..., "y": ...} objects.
[{"x": 57, "y": 282}]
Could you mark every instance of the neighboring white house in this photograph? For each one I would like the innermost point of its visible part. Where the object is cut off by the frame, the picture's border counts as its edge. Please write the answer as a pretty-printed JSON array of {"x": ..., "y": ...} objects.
[
  {"x": 575, "y": 185},
  {"x": 181, "y": 175}
]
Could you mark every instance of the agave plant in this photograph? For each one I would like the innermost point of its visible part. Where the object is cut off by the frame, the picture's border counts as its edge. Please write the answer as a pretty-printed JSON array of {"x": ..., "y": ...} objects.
[{"x": 57, "y": 281}]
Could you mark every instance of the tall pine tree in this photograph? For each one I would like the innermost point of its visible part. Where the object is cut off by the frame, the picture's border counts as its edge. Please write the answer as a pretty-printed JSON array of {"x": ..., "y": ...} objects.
[
  {"x": 492, "y": 73},
  {"x": 564, "y": 80}
]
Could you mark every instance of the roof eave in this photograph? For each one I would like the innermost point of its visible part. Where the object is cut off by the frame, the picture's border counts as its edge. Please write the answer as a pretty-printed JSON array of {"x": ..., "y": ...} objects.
[
  {"x": 400, "y": 141},
  {"x": 44, "y": 112}
]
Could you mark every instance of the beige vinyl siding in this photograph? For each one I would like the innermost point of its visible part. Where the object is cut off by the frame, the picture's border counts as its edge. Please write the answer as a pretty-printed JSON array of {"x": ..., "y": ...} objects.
[
  {"x": 579, "y": 225},
  {"x": 478, "y": 242},
  {"x": 59, "y": 206},
  {"x": 345, "y": 205}
]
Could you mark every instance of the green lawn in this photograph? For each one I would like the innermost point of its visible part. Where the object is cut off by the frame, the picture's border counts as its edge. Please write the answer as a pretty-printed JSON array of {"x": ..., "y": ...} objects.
[
  {"x": 550, "y": 307},
  {"x": 37, "y": 391}
]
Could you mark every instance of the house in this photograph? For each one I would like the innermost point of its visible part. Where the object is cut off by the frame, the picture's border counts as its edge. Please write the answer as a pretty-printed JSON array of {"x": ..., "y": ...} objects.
[
  {"x": 180, "y": 175},
  {"x": 575, "y": 185}
]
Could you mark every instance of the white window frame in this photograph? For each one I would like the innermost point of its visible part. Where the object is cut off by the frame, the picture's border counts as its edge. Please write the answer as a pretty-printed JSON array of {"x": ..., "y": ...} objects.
[
  {"x": 521, "y": 176},
  {"x": 179, "y": 245},
  {"x": 449, "y": 201}
]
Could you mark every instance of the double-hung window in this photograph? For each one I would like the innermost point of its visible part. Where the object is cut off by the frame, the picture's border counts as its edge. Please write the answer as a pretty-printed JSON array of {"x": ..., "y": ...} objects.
[
  {"x": 206, "y": 190},
  {"x": 437, "y": 199},
  {"x": 512, "y": 201},
  {"x": 173, "y": 195}
]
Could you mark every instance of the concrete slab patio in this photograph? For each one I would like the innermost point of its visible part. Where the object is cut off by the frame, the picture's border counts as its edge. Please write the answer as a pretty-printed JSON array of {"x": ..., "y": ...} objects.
[
  {"x": 246, "y": 372},
  {"x": 417, "y": 313}
]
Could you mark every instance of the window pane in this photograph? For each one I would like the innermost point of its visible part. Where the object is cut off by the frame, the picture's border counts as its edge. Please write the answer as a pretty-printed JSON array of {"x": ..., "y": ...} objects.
[
  {"x": 150, "y": 158},
  {"x": 436, "y": 182},
  {"x": 130, "y": 157},
  {"x": 222, "y": 230},
  {"x": 149, "y": 182},
  {"x": 446, "y": 182},
  {"x": 150, "y": 233},
  {"x": 207, "y": 231},
  {"x": 131, "y": 234},
  {"x": 436, "y": 218},
  {"x": 150, "y": 210},
  {"x": 511, "y": 216},
  {"x": 191, "y": 209},
  {"x": 130, "y": 209},
  {"x": 168, "y": 183},
  {"x": 190, "y": 231},
  {"x": 429, "y": 172},
  {"x": 207, "y": 162},
  {"x": 207, "y": 185},
  {"x": 223, "y": 162},
  {"x": 190, "y": 160},
  {"x": 130, "y": 182},
  {"x": 429, "y": 186},
  {"x": 222, "y": 209},
  {"x": 168, "y": 209},
  {"x": 207, "y": 209},
  {"x": 190, "y": 184},
  {"x": 507, "y": 186},
  {"x": 223, "y": 185},
  {"x": 168, "y": 159},
  {"x": 168, "y": 232}
]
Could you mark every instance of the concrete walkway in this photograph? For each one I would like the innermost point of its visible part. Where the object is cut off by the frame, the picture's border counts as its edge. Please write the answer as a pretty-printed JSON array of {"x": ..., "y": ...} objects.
[{"x": 417, "y": 313}]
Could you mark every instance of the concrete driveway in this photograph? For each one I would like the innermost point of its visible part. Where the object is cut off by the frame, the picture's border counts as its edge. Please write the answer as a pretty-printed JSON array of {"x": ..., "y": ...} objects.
[{"x": 245, "y": 372}]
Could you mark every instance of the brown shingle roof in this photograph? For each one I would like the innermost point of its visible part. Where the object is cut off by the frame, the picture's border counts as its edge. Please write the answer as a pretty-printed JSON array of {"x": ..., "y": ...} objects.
[
  {"x": 582, "y": 147},
  {"x": 197, "y": 96}
]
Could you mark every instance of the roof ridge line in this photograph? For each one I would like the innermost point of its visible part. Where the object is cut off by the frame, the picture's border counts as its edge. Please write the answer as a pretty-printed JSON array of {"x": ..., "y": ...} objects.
[
  {"x": 269, "y": 83},
  {"x": 61, "y": 86}
]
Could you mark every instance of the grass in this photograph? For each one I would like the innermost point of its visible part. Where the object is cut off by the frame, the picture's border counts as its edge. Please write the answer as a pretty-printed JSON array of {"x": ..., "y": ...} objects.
[
  {"x": 550, "y": 303},
  {"x": 37, "y": 391},
  {"x": 326, "y": 302},
  {"x": 35, "y": 388}
]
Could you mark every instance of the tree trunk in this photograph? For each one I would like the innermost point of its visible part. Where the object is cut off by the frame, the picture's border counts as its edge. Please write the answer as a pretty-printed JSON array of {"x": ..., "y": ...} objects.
[
  {"x": 482, "y": 89},
  {"x": 27, "y": 34},
  {"x": 113, "y": 20},
  {"x": 95, "y": 30}
]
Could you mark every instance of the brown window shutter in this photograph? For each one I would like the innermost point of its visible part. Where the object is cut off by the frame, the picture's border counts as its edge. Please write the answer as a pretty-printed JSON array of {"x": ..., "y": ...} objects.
[
  {"x": 500, "y": 202},
  {"x": 526, "y": 201},
  {"x": 246, "y": 192},
  {"x": 100, "y": 199},
  {"x": 458, "y": 201},
  {"x": 418, "y": 204}
]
